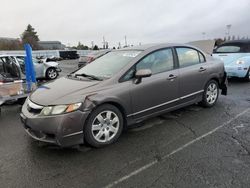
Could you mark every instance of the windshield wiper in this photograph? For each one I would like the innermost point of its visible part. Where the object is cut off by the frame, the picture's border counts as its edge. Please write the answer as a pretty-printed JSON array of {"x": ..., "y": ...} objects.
[{"x": 89, "y": 76}]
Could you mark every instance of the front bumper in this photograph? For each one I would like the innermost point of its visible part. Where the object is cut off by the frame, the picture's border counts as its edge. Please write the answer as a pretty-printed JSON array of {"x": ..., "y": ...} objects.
[
  {"x": 236, "y": 71},
  {"x": 58, "y": 69},
  {"x": 64, "y": 130}
]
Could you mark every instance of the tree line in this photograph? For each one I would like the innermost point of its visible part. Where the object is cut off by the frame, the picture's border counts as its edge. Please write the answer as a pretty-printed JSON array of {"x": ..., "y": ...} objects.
[{"x": 30, "y": 36}]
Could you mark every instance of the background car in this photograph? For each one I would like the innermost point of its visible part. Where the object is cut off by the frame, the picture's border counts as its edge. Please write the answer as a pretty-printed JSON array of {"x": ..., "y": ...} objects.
[
  {"x": 83, "y": 60},
  {"x": 68, "y": 54},
  {"x": 236, "y": 58},
  {"x": 120, "y": 89},
  {"x": 14, "y": 66}
]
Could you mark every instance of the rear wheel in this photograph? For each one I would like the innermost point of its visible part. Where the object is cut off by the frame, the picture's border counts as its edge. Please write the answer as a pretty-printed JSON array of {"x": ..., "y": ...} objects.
[
  {"x": 211, "y": 93},
  {"x": 104, "y": 126},
  {"x": 51, "y": 74}
]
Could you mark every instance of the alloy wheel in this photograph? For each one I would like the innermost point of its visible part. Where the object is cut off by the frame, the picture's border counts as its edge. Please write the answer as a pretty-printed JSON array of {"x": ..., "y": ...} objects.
[
  {"x": 211, "y": 93},
  {"x": 52, "y": 73},
  {"x": 105, "y": 126}
]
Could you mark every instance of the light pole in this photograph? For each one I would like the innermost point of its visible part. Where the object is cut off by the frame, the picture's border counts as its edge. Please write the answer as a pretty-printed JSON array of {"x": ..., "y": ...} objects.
[
  {"x": 104, "y": 42},
  {"x": 228, "y": 29},
  {"x": 126, "y": 41},
  {"x": 203, "y": 35}
]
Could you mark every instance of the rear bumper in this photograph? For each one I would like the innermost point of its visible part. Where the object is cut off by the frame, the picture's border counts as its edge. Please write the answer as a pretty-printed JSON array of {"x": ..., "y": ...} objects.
[
  {"x": 224, "y": 84},
  {"x": 64, "y": 130},
  {"x": 236, "y": 71}
]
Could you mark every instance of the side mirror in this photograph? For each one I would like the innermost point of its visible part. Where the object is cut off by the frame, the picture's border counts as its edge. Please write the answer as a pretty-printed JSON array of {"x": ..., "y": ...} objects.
[{"x": 142, "y": 73}]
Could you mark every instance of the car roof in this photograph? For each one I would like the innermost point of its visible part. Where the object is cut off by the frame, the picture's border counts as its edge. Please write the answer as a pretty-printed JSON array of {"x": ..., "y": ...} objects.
[
  {"x": 237, "y": 42},
  {"x": 12, "y": 55},
  {"x": 156, "y": 46}
]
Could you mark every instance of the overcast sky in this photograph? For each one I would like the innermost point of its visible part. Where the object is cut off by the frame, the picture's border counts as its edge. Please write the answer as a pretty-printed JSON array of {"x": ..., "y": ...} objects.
[{"x": 145, "y": 21}]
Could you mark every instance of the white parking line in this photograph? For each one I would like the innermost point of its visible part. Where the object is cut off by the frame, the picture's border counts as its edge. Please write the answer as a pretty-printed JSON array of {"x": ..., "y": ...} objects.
[{"x": 145, "y": 167}]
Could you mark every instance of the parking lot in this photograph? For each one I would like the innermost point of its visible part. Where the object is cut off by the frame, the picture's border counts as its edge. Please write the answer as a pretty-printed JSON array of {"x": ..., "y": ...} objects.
[{"x": 190, "y": 147}]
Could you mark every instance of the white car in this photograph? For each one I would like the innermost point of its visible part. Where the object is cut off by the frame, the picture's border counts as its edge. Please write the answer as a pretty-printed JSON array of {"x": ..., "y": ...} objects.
[{"x": 14, "y": 66}]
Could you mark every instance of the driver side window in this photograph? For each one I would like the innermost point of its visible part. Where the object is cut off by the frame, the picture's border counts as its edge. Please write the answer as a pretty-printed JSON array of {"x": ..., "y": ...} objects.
[{"x": 158, "y": 61}]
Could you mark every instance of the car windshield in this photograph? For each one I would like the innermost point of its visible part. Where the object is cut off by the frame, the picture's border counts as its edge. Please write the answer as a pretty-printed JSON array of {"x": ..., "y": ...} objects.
[
  {"x": 109, "y": 64},
  {"x": 228, "y": 49}
]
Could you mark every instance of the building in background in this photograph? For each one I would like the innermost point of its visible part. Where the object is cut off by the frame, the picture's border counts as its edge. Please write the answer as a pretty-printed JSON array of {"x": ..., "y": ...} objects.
[{"x": 51, "y": 45}]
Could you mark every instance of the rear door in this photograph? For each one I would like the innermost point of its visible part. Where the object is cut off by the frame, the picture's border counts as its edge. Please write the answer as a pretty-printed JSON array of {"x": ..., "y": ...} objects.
[
  {"x": 159, "y": 91},
  {"x": 193, "y": 72}
]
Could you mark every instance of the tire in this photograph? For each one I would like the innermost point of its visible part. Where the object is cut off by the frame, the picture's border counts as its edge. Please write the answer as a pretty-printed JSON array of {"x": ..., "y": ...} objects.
[
  {"x": 210, "y": 94},
  {"x": 51, "y": 74},
  {"x": 99, "y": 131}
]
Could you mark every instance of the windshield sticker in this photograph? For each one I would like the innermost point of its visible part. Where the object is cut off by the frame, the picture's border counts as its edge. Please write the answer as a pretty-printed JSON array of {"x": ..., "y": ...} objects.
[{"x": 130, "y": 54}]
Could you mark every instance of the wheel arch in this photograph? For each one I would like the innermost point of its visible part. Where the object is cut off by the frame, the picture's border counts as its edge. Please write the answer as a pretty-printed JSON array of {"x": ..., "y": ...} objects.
[
  {"x": 120, "y": 108},
  {"x": 110, "y": 101}
]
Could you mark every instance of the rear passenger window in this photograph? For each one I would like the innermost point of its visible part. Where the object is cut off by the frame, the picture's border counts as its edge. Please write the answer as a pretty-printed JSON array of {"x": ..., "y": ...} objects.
[{"x": 188, "y": 57}]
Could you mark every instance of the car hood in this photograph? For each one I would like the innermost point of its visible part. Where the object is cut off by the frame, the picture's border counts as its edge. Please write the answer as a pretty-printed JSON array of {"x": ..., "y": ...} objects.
[{"x": 63, "y": 91}]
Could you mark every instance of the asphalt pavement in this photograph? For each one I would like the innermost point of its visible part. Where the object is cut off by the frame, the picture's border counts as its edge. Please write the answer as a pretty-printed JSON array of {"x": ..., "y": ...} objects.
[{"x": 190, "y": 147}]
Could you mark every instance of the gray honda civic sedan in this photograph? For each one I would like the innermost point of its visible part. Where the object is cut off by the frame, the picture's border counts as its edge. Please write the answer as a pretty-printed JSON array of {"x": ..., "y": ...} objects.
[{"x": 124, "y": 87}]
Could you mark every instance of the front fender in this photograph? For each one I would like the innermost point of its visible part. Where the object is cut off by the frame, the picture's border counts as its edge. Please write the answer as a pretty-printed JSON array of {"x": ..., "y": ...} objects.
[
  {"x": 51, "y": 64},
  {"x": 98, "y": 99}
]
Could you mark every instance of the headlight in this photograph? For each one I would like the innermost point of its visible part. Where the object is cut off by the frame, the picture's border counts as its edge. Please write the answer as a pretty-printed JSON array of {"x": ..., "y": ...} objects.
[
  {"x": 60, "y": 109},
  {"x": 240, "y": 62}
]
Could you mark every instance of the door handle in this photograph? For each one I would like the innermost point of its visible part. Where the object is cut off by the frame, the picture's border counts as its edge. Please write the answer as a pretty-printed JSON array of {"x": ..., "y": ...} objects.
[
  {"x": 171, "y": 77},
  {"x": 202, "y": 69}
]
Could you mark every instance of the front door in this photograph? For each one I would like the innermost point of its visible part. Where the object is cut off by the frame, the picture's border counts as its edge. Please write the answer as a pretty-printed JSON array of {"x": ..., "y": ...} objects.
[{"x": 159, "y": 91}]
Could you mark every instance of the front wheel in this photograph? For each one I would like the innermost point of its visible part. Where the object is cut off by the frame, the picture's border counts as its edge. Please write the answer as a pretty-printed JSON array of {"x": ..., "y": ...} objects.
[
  {"x": 211, "y": 93},
  {"x": 51, "y": 74},
  {"x": 104, "y": 126}
]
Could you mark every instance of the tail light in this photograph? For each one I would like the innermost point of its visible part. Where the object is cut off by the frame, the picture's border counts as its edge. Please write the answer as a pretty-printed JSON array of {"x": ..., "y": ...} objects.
[{"x": 90, "y": 59}]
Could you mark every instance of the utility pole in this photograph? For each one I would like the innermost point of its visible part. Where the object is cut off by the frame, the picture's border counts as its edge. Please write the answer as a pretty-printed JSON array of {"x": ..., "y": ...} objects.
[
  {"x": 203, "y": 35},
  {"x": 104, "y": 42},
  {"x": 228, "y": 29},
  {"x": 126, "y": 44}
]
